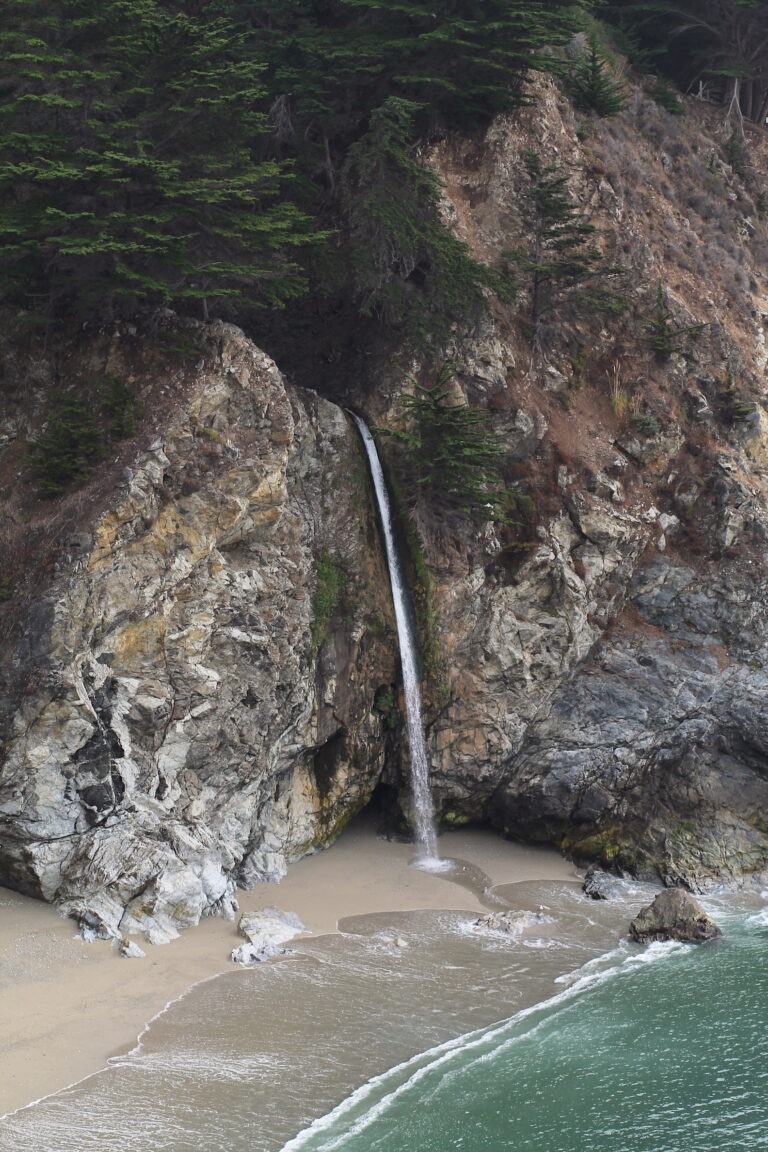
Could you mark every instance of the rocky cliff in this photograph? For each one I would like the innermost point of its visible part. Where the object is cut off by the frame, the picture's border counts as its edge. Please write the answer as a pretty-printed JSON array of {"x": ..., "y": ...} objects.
[
  {"x": 199, "y": 654},
  {"x": 180, "y": 716},
  {"x": 607, "y": 672},
  {"x": 603, "y": 671}
]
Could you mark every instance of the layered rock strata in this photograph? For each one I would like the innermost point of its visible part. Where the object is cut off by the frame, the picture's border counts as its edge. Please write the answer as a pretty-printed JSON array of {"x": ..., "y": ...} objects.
[{"x": 180, "y": 719}]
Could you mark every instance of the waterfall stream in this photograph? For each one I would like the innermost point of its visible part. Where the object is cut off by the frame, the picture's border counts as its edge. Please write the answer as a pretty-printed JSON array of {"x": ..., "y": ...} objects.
[{"x": 423, "y": 811}]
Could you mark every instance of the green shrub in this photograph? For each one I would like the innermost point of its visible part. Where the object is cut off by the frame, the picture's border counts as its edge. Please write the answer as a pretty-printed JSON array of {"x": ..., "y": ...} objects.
[
  {"x": 733, "y": 405},
  {"x": 645, "y": 424},
  {"x": 385, "y": 704},
  {"x": 666, "y": 97},
  {"x": 329, "y": 596},
  {"x": 736, "y": 154},
  {"x": 77, "y": 431},
  {"x": 69, "y": 446}
]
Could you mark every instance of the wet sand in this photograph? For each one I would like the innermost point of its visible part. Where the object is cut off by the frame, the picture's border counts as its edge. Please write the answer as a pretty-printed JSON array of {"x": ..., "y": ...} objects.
[{"x": 67, "y": 1006}]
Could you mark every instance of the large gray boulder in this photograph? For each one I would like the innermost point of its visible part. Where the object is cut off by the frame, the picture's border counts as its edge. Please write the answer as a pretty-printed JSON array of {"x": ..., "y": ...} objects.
[{"x": 673, "y": 915}]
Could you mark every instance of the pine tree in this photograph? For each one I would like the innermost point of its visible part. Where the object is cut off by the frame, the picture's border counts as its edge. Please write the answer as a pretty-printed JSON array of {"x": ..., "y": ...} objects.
[
  {"x": 406, "y": 266},
  {"x": 450, "y": 454},
  {"x": 665, "y": 335},
  {"x": 132, "y": 163},
  {"x": 68, "y": 448},
  {"x": 591, "y": 85},
  {"x": 562, "y": 260}
]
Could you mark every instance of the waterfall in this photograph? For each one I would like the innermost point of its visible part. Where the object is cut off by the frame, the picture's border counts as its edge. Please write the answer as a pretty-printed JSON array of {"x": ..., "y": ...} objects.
[{"x": 424, "y": 820}]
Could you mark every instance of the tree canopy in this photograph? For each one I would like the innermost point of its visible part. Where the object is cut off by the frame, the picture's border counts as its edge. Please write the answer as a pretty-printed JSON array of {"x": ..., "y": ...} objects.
[
  {"x": 134, "y": 158},
  {"x": 170, "y": 150}
]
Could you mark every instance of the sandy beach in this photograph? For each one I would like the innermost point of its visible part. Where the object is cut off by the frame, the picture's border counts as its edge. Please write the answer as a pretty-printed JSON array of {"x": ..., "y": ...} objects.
[{"x": 67, "y": 1006}]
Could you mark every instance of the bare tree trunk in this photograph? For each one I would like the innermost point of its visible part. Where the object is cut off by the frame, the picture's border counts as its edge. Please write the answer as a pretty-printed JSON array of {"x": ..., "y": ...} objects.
[
  {"x": 747, "y": 91},
  {"x": 734, "y": 107},
  {"x": 762, "y": 115},
  {"x": 329, "y": 165}
]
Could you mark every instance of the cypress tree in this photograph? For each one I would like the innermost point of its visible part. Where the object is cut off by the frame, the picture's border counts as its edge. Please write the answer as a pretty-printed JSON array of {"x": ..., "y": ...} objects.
[
  {"x": 132, "y": 163},
  {"x": 331, "y": 63},
  {"x": 562, "y": 260},
  {"x": 201, "y": 150},
  {"x": 407, "y": 268},
  {"x": 591, "y": 85},
  {"x": 450, "y": 454}
]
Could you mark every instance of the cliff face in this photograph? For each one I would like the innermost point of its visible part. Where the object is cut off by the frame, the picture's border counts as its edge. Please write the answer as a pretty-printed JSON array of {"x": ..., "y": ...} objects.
[
  {"x": 607, "y": 673},
  {"x": 173, "y": 730},
  {"x": 199, "y": 682}
]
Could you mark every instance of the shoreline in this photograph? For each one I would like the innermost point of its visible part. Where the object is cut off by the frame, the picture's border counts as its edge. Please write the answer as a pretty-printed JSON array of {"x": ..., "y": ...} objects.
[{"x": 66, "y": 1007}]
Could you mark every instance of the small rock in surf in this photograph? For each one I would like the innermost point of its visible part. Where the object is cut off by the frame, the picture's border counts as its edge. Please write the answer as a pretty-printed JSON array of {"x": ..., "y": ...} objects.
[{"x": 673, "y": 915}]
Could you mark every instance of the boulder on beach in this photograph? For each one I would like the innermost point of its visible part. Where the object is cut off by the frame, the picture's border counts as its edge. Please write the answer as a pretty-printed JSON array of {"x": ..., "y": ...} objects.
[
  {"x": 131, "y": 950},
  {"x": 673, "y": 915},
  {"x": 265, "y": 932}
]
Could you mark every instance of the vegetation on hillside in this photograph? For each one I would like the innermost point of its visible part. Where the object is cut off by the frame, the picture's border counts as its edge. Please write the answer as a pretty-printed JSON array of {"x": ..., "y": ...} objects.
[
  {"x": 715, "y": 48},
  {"x": 449, "y": 455},
  {"x": 240, "y": 154},
  {"x": 171, "y": 151},
  {"x": 135, "y": 161},
  {"x": 561, "y": 260}
]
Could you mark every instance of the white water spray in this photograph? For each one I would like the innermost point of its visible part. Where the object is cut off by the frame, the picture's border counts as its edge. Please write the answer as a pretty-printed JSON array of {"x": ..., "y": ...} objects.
[{"x": 424, "y": 820}]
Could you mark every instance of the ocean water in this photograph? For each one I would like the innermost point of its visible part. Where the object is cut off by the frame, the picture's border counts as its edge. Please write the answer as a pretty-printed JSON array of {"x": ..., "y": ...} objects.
[
  {"x": 661, "y": 1050},
  {"x": 414, "y": 1032}
]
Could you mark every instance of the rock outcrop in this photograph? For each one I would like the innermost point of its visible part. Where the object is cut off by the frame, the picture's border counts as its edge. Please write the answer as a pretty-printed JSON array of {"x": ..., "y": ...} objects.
[
  {"x": 178, "y": 719},
  {"x": 673, "y": 915},
  {"x": 512, "y": 923},
  {"x": 600, "y": 885},
  {"x": 605, "y": 671},
  {"x": 265, "y": 933}
]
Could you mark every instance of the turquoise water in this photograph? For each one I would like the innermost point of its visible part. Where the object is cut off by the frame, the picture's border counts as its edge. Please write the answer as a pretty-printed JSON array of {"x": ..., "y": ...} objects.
[
  {"x": 562, "y": 1037},
  {"x": 660, "y": 1050}
]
